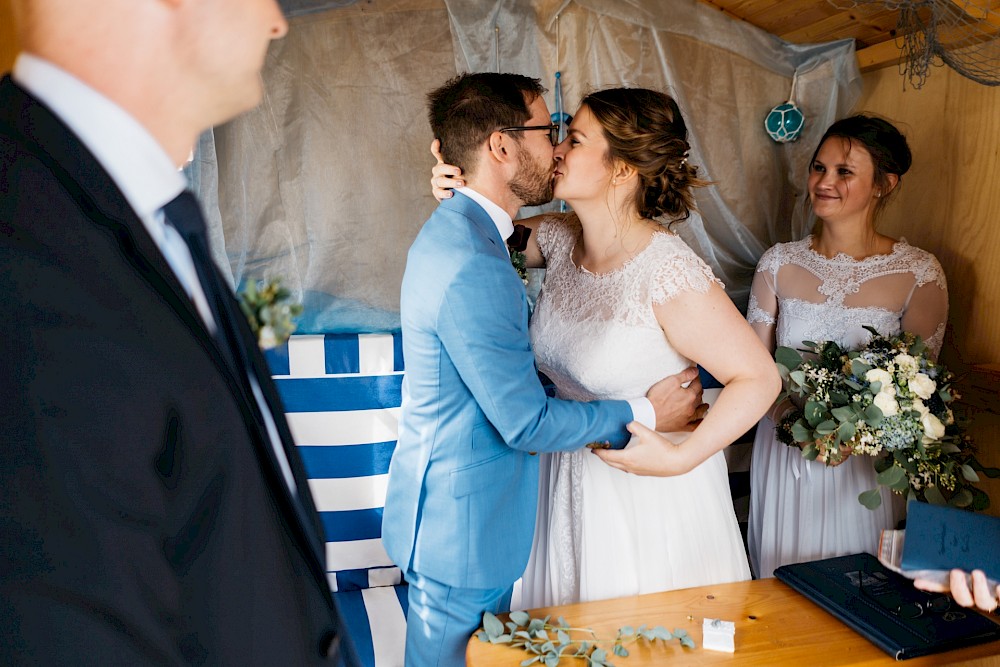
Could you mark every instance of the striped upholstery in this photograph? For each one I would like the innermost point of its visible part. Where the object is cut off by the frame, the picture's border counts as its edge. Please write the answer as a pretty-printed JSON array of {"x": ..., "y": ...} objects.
[{"x": 341, "y": 394}]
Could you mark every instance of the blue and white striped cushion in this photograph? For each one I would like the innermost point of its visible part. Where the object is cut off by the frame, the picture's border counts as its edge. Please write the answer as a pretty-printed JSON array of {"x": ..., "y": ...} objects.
[
  {"x": 341, "y": 394},
  {"x": 376, "y": 623}
]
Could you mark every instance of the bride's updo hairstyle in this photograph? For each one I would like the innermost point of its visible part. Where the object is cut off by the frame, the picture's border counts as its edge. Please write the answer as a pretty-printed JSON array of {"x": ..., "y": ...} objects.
[
  {"x": 887, "y": 146},
  {"x": 645, "y": 130}
]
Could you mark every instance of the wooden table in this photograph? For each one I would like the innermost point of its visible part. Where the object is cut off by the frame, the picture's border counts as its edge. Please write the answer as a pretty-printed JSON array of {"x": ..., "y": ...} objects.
[{"x": 774, "y": 626}]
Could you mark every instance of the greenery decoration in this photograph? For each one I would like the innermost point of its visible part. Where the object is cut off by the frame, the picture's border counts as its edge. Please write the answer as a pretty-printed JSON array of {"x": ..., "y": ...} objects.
[{"x": 547, "y": 643}]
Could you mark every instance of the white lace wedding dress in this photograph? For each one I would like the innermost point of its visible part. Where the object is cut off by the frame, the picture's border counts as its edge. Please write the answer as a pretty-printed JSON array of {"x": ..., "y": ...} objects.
[
  {"x": 803, "y": 510},
  {"x": 602, "y": 533}
]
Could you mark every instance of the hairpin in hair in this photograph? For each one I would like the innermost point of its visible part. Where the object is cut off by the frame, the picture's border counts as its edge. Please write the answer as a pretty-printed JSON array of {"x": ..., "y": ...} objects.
[{"x": 684, "y": 160}]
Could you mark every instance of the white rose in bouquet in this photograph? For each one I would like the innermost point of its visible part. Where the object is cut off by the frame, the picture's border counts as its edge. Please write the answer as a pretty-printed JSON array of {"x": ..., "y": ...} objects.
[
  {"x": 922, "y": 386},
  {"x": 906, "y": 364},
  {"x": 879, "y": 375},
  {"x": 887, "y": 404},
  {"x": 933, "y": 428}
]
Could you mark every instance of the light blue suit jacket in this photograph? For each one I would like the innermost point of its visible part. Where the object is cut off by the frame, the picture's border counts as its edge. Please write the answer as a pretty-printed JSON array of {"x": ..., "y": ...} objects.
[{"x": 463, "y": 486}]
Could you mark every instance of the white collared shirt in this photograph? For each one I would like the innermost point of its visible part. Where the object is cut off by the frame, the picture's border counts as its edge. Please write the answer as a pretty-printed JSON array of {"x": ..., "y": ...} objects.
[
  {"x": 143, "y": 171},
  {"x": 642, "y": 409},
  {"x": 136, "y": 162}
]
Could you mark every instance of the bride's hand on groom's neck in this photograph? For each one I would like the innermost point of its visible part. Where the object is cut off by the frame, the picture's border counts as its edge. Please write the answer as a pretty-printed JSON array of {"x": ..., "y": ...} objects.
[{"x": 677, "y": 401}]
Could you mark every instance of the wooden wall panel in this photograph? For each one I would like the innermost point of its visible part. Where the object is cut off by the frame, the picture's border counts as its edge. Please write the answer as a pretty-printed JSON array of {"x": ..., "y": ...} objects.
[
  {"x": 8, "y": 43},
  {"x": 950, "y": 205}
]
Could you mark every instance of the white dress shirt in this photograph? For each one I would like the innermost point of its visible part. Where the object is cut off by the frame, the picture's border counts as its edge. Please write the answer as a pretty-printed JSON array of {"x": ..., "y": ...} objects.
[
  {"x": 642, "y": 409},
  {"x": 143, "y": 171}
]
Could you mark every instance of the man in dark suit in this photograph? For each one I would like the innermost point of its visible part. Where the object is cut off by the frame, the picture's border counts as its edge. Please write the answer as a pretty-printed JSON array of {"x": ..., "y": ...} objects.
[{"x": 152, "y": 506}]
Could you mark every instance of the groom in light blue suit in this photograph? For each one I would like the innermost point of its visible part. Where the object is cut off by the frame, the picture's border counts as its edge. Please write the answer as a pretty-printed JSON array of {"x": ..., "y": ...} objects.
[{"x": 463, "y": 482}]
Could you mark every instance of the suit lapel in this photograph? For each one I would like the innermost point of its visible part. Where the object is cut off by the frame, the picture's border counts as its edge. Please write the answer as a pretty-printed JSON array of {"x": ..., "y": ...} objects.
[
  {"x": 100, "y": 199},
  {"x": 482, "y": 221}
]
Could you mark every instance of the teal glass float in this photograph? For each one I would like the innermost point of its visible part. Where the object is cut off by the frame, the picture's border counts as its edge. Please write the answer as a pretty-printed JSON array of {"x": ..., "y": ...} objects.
[{"x": 784, "y": 122}]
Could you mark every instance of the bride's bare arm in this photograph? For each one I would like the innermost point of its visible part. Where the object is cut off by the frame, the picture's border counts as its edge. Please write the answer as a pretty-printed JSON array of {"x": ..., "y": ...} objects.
[
  {"x": 707, "y": 328},
  {"x": 446, "y": 177}
]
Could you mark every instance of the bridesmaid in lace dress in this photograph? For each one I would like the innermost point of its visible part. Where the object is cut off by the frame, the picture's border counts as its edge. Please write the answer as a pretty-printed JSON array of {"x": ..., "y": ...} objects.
[
  {"x": 826, "y": 287},
  {"x": 624, "y": 303}
]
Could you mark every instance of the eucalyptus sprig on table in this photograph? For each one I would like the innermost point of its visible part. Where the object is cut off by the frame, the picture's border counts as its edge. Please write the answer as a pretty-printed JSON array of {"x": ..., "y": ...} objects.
[{"x": 549, "y": 642}]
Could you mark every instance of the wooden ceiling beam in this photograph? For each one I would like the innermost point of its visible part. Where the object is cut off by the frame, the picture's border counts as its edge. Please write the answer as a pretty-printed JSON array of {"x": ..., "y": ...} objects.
[
  {"x": 879, "y": 55},
  {"x": 988, "y": 15},
  {"x": 888, "y": 52}
]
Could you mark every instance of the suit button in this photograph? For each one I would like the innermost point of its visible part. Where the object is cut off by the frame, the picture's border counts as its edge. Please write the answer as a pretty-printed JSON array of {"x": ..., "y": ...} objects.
[{"x": 329, "y": 645}]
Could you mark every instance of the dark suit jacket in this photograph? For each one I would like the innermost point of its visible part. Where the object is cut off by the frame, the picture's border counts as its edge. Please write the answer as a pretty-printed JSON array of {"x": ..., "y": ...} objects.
[{"x": 143, "y": 518}]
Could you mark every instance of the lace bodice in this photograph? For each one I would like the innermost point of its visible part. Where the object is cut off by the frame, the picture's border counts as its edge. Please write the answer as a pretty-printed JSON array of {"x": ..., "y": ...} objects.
[
  {"x": 595, "y": 335},
  {"x": 800, "y": 295}
]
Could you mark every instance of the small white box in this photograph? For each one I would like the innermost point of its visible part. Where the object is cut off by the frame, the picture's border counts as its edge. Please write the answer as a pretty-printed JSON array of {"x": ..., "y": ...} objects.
[{"x": 719, "y": 635}]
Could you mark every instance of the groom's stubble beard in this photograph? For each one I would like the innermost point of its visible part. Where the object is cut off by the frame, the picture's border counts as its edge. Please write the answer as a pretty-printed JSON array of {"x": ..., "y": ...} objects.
[{"x": 532, "y": 183}]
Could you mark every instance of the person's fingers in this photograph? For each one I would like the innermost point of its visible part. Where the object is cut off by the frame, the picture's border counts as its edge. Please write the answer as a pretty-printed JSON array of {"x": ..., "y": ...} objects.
[
  {"x": 436, "y": 151},
  {"x": 981, "y": 591},
  {"x": 689, "y": 375},
  {"x": 930, "y": 586},
  {"x": 613, "y": 457},
  {"x": 700, "y": 412},
  {"x": 960, "y": 588},
  {"x": 639, "y": 430}
]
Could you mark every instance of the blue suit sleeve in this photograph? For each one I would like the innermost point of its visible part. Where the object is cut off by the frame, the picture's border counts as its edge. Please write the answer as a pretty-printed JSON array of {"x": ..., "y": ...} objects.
[{"x": 483, "y": 327}]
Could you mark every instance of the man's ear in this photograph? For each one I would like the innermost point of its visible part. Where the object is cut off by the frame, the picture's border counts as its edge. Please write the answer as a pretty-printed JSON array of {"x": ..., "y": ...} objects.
[{"x": 501, "y": 148}]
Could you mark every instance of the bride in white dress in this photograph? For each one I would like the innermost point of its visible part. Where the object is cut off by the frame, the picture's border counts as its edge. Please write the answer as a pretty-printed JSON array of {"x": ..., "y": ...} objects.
[
  {"x": 625, "y": 303},
  {"x": 827, "y": 287}
]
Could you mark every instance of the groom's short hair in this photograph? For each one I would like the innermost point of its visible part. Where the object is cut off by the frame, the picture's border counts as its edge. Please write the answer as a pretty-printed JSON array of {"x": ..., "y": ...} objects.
[{"x": 467, "y": 109}]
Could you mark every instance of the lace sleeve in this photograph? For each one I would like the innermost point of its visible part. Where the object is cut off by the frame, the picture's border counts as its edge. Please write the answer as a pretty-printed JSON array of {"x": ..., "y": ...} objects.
[
  {"x": 556, "y": 233},
  {"x": 678, "y": 270},
  {"x": 926, "y": 311},
  {"x": 762, "y": 310},
  {"x": 756, "y": 314}
]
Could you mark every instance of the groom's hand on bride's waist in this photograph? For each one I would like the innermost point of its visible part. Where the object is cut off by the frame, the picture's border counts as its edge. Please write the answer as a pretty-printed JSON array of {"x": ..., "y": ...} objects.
[{"x": 677, "y": 401}]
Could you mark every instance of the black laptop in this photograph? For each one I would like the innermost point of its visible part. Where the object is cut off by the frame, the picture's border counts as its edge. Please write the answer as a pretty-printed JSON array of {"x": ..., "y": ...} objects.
[{"x": 885, "y": 607}]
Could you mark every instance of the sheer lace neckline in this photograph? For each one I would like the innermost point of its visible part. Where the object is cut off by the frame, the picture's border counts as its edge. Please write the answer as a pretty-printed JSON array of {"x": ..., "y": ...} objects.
[
  {"x": 617, "y": 270},
  {"x": 843, "y": 258}
]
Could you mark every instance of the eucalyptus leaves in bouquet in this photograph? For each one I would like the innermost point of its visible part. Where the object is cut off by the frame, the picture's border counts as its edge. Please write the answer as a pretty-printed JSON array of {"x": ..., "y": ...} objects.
[
  {"x": 888, "y": 400},
  {"x": 269, "y": 309}
]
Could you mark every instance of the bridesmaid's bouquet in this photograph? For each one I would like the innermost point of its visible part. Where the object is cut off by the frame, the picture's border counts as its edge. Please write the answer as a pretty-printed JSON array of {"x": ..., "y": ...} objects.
[{"x": 887, "y": 400}]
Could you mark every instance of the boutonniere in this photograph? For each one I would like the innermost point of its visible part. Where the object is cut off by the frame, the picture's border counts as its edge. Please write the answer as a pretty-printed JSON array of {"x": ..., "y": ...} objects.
[
  {"x": 269, "y": 310},
  {"x": 517, "y": 244}
]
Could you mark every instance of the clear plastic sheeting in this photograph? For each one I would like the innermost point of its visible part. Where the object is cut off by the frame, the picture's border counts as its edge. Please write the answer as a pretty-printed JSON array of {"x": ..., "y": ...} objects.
[
  {"x": 327, "y": 183},
  {"x": 298, "y": 7}
]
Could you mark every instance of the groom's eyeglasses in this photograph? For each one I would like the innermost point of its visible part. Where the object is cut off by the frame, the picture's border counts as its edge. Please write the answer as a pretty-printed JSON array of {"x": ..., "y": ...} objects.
[{"x": 553, "y": 130}]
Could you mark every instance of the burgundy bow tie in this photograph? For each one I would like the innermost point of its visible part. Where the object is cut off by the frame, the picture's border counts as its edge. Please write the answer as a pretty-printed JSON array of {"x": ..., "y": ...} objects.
[{"x": 519, "y": 239}]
